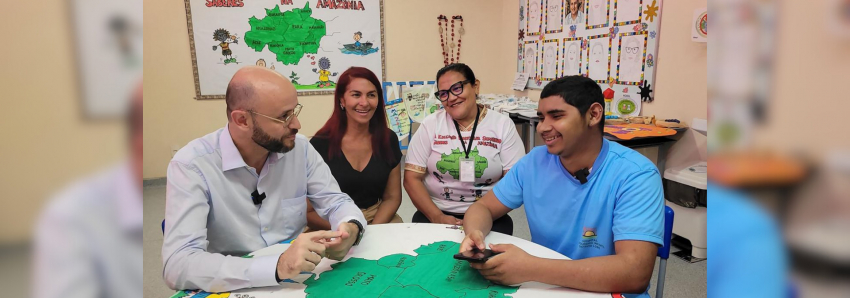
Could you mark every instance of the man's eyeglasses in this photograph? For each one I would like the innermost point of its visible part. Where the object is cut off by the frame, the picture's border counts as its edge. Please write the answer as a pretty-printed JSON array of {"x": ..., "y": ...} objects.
[
  {"x": 286, "y": 118},
  {"x": 456, "y": 89}
]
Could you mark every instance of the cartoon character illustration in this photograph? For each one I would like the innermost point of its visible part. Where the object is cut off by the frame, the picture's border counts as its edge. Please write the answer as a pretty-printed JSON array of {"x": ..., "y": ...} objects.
[
  {"x": 123, "y": 31},
  {"x": 487, "y": 182},
  {"x": 448, "y": 192},
  {"x": 324, "y": 74},
  {"x": 477, "y": 193},
  {"x": 357, "y": 36},
  {"x": 225, "y": 39},
  {"x": 359, "y": 48},
  {"x": 439, "y": 178}
]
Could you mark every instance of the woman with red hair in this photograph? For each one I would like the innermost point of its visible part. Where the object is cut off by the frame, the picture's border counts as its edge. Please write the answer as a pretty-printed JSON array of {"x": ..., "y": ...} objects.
[{"x": 360, "y": 149}]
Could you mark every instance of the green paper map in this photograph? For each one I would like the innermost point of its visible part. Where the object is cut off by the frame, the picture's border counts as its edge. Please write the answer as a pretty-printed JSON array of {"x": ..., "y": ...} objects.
[
  {"x": 289, "y": 34},
  {"x": 449, "y": 163},
  {"x": 433, "y": 272}
]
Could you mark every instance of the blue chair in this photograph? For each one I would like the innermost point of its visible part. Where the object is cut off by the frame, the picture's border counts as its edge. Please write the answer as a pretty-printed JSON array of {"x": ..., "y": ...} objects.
[{"x": 664, "y": 251}]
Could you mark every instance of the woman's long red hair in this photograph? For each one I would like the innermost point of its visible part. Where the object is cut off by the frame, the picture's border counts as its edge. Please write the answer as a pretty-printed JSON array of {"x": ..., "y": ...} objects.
[{"x": 335, "y": 127}]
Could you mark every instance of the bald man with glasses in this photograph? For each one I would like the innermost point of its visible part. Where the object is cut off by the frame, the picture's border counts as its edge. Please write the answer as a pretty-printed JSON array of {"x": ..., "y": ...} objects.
[{"x": 243, "y": 188}]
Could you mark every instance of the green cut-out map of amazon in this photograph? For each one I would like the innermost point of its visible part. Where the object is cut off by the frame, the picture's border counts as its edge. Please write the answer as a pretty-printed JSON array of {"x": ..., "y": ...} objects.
[
  {"x": 433, "y": 272},
  {"x": 289, "y": 34},
  {"x": 449, "y": 163}
]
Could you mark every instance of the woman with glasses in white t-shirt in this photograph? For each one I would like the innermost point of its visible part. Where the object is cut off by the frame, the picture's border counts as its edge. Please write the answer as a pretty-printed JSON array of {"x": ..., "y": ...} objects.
[{"x": 444, "y": 173}]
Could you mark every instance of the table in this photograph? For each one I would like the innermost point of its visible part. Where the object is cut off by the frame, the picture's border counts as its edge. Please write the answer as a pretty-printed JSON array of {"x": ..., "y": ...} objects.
[{"x": 389, "y": 240}]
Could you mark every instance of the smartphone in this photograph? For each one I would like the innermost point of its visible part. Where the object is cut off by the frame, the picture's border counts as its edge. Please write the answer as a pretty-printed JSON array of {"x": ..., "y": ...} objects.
[{"x": 475, "y": 255}]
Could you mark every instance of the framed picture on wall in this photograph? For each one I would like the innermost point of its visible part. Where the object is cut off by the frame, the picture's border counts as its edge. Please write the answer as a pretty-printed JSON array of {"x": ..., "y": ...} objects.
[
  {"x": 597, "y": 13},
  {"x": 529, "y": 59},
  {"x": 554, "y": 16},
  {"x": 598, "y": 58},
  {"x": 571, "y": 56},
  {"x": 550, "y": 56},
  {"x": 534, "y": 16},
  {"x": 631, "y": 58},
  {"x": 627, "y": 12}
]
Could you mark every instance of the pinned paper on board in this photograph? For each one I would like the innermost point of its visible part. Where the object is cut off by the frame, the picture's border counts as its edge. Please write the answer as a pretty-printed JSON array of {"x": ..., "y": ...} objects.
[
  {"x": 550, "y": 59},
  {"x": 416, "y": 101},
  {"x": 571, "y": 57},
  {"x": 599, "y": 58},
  {"x": 397, "y": 115}
]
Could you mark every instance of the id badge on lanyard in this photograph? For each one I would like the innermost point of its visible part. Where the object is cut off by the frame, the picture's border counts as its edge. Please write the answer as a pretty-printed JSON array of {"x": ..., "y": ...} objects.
[
  {"x": 467, "y": 165},
  {"x": 467, "y": 169}
]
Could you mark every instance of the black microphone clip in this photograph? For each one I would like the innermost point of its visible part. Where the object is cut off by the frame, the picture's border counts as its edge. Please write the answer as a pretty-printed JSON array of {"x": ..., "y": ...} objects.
[
  {"x": 582, "y": 174},
  {"x": 257, "y": 197}
]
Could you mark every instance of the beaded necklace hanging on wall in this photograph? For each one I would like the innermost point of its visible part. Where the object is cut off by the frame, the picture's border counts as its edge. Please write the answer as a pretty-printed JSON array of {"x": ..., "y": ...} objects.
[{"x": 451, "y": 51}]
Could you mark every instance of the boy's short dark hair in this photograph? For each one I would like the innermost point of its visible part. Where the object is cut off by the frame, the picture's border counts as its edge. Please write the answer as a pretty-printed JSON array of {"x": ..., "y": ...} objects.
[{"x": 577, "y": 91}]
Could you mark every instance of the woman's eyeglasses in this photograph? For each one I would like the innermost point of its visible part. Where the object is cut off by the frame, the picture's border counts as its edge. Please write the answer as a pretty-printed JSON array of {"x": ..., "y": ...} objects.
[{"x": 456, "y": 89}]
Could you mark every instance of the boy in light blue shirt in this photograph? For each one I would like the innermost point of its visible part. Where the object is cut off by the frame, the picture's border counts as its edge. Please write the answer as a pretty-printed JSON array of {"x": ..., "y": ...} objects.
[{"x": 594, "y": 201}]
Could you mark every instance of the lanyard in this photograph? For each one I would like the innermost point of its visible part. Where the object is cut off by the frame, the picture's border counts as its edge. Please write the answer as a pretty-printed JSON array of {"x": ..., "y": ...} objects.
[{"x": 471, "y": 136}]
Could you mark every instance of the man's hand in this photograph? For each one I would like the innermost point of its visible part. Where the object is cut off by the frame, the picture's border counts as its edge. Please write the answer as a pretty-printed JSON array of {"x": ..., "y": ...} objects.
[
  {"x": 473, "y": 239},
  {"x": 449, "y": 220},
  {"x": 512, "y": 266},
  {"x": 303, "y": 254},
  {"x": 337, "y": 248}
]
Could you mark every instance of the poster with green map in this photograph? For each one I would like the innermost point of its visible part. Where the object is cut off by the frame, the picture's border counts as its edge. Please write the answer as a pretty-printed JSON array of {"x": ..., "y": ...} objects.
[{"x": 311, "y": 42}]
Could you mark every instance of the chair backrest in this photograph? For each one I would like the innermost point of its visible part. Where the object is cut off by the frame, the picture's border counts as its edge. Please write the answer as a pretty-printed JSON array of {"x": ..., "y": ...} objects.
[{"x": 664, "y": 251}]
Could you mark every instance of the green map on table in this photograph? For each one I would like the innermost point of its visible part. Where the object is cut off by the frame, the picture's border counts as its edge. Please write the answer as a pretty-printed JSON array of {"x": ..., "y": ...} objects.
[{"x": 433, "y": 272}]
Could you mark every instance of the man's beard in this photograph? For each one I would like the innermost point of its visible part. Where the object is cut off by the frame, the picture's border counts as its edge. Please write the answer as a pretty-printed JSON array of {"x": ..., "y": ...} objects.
[{"x": 271, "y": 144}]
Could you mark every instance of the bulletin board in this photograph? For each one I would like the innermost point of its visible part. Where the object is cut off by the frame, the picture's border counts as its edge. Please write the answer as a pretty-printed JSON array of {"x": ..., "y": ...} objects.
[
  {"x": 613, "y": 42},
  {"x": 311, "y": 42}
]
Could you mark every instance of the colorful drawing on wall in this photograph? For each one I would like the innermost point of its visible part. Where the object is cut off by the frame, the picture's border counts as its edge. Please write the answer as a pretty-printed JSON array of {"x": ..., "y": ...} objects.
[
  {"x": 628, "y": 12},
  {"x": 533, "y": 17},
  {"x": 597, "y": 12},
  {"x": 529, "y": 59},
  {"x": 223, "y": 40},
  {"x": 631, "y": 55},
  {"x": 571, "y": 57},
  {"x": 358, "y": 48},
  {"x": 613, "y": 42},
  {"x": 554, "y": 16},
  {"x": 311, "y": 38},
  {"x": 599, "y": 58},
  {"x": 549, "y": 66}
]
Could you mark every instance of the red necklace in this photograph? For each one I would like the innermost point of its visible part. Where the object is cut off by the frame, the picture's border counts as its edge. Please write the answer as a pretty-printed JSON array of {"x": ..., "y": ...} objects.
[
  {"x": 442, "y": 23},
  {"x": 449, "y": 55}
]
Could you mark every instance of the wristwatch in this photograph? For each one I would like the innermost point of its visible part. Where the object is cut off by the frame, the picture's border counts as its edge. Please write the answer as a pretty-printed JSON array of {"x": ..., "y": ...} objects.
[{"x": 360, "y": 230}]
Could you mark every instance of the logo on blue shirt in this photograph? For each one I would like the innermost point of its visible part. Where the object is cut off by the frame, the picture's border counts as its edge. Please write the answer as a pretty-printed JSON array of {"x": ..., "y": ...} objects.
[{"x": 588, "y": 239}]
